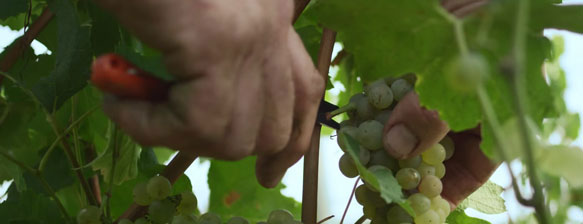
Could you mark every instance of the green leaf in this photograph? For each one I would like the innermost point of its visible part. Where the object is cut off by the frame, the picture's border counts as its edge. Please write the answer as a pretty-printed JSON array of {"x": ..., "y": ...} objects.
[
  {"x": 459, "y": 217},
  {"x": 12, "y": 8},
  {"x": 387, "y": 38},
  {"x": 29, "y": 207},
  {"x": 381, "y": 180},
  {"x": 48, "y": 36},
  {"x": 564, "y": 17},
  {"x": 148, "y": 60},
  {"x": 562, "y": 161},
  {"x": 73, "y": 60},
  {"x": 486, "y": 199},
  {"x": 57, "y": 173},
  {"x": 126, "y": 167},
  {"x": 235, "y": 192},
  {"x": 105, "y": 34}
]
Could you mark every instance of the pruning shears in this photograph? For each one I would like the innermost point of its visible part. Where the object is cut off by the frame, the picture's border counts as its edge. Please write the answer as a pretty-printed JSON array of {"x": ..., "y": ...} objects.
[{"x": 114, "y": 74}]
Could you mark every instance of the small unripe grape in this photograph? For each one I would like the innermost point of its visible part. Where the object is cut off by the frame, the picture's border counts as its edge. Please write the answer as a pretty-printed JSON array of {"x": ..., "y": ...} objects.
[
  {"x": 188, "y": 203},
  {"x": 382, "y": 158},
  {"x": 380, "y": 216},
  {"x": 439, "y": 170},
  {"x": 184, "y": 219},
  {"x": 365, "y": 196},
  {"x": 449, "y": 147},
  {"x": 430, "y": 186},
  {"x": 434, "y": 155},
  {"x": 347, "y": 123},
  {"x": 400, "y": 88},
  {"x": 161, "y": 211},
  {"x": 383, "y": 116},
  {"x": 140, "y": 194},
  {"x": 398, "y": 215},
  {"x": 379, "y": 94},
  {"x": 364, "y": 109},
  {"x": 237, "y": 220},
  {"x": 369, "y": 211},
  {"x": 363, "y": 156},
  {"x": 126, "y": 221},
  {"x": 89, "y": 215},
  {"x": 142, "y": 221},
  {"x": 426, "y": 169},
  {"x": 279, "y": 216},
  {"x": 371, "y": 134},
  {"x": 159, "y": 187},
  {"x": 347, "y": 166},
  {"x": 209, "y": 218},
  {"x": 429, "y": 217},
  {"x": 412, "y": 162},
  {"x": 408, "y": 178},
  {"x": 466, "y": 72},
  {"x": 351, "y": 131},
  {"x": 420, "y": 203}
]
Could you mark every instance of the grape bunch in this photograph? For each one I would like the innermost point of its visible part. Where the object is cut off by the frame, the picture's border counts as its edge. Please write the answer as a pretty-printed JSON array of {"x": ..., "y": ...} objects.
[{"x": 419, "y": 176}]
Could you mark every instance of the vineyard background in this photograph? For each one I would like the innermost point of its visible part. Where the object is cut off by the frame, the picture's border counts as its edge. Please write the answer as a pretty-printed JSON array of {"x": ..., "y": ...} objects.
[{"x": 333, "y": 198}]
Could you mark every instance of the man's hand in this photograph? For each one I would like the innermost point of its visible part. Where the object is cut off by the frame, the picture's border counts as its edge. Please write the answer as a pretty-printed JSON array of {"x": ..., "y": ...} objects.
[{"x": 246, "y": 84}]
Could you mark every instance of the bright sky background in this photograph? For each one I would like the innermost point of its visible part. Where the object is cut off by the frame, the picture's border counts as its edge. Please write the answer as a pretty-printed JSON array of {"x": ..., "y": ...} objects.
[{"x": 335, "y": 188}]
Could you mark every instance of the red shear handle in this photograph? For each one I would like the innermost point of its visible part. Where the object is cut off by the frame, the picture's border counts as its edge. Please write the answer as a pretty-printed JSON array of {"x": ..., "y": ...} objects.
[{"x": 113, "y": 74}]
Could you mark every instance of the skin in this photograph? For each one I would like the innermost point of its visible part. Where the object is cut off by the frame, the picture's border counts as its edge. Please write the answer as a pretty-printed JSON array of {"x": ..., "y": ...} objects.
[{"x": 248, "y": 87}]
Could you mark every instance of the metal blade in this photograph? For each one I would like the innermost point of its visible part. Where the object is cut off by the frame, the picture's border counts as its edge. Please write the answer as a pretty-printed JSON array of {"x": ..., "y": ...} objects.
[{"x": 324, "y": 108}]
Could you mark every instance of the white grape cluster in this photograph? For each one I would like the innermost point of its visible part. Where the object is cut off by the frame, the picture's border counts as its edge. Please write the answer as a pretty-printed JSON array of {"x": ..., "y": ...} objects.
[{"x": 418, "y": 176}]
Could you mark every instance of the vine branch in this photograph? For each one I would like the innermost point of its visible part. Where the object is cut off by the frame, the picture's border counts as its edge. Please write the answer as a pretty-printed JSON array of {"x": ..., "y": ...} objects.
[
  {"x": 310, "y": 184},
  {"x": 299, "y": 6},
  {"x": 20, "y": 44},
  {"x": 349, "y": 200}
]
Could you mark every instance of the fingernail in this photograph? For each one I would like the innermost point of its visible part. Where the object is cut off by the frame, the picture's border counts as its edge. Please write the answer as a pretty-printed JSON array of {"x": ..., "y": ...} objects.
[{"x": 400, "y": 141}]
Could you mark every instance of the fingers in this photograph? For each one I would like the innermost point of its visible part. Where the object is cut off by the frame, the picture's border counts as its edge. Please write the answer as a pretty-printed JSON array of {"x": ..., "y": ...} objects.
[
  {"x": 412, "y": 129},
  {"x": 468, "y": 169},
  {"x": 309, "y": 87}
]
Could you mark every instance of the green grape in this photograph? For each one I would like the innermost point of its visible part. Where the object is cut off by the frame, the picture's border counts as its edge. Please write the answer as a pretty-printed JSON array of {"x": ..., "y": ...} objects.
[
  {"x": 430, "y": 186},
  {"x": 188, "y": 203},
  {"x": 159, "y": 187},
  {"x": 140, "y": 194},
  {"x": 400, "y": 88},
  {"x": 434, "y": 155},
  {"x": 364, "y": 109},
  {"x": 426, "y": 169},
  {"x": 347, "y": 123},
  {"x": 449, "y": 147},
  {"x": 347, "y": 166},
  {"x": 420, "y": 203},
  {"x": 161, "y": 211},
  {"x": 184, "y": 219},
  {"x": 89, "y": 215},
  {"x": 237, "y": 220},
  {"x": 141, "y": 221},
  {"x": 398, "y": 215},
  {"x": 379, "y": 94},
  {"x": 353, "y": 132},
  {"x": 412, "y": 162},
  {"x": 126, "y": 221},
  {"x": 383, "y": 116},
  {"x": 466, "y": 72},
  {"x": 279, "y": 216},
  {"x": 365, "y": 196},
  {"x": 380, "y": 216},
  {"x": 369, "y": 211},
  {"x": 408, "y": 178},
  {"x": 363, "y": 156},
  {"x": 439, "y": 170},
  {"x": 440, "y": 204},
  {"x": 371, "y": 135},
  {"x": 382, "y": 158},
  {"x": 429, "y": 217},
  {"x": 209, "y": 218}
]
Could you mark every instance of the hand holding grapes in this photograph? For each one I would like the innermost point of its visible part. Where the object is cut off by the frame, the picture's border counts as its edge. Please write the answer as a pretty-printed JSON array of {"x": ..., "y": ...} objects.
[{"x": 246, "y": 85}]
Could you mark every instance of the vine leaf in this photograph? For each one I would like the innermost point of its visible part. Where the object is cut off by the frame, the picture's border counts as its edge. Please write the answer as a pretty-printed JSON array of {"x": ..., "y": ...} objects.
[
  {"x": 381, "y": 180},
  {"x": 486, "y": 199},
  {"x": 235, "y": 192},
  {"x": 562, "y": 161},
  {"x": 29, "y": 206},
  {"x": 459, "y": 217},
  {"x": 126, "y": 164},
  {"x": 12, "y": 8}
]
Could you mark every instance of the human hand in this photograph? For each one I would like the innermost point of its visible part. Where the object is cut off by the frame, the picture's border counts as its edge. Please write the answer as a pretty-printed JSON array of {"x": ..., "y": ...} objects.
[{"x": 246, "y": 85}]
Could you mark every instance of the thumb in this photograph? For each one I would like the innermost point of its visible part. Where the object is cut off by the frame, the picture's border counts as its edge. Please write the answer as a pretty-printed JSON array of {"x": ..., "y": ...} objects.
[{"x": 412, "y": 129}]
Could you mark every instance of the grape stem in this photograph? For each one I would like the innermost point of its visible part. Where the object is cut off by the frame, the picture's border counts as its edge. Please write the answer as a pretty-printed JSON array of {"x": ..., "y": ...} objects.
[
  {"x": 43, "y": 181},
  {"x": 346, "y": 108},
  {"x": 458, "y": 29},
  {"x": 114, "y": 157},
  {"x": 519, "y": 107},
  {"x": 310, "y": 182},
  {"x": 360, "y": 220},
  {"x": 325, "y": 219},
  {"x": 349, "y": 200}
]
